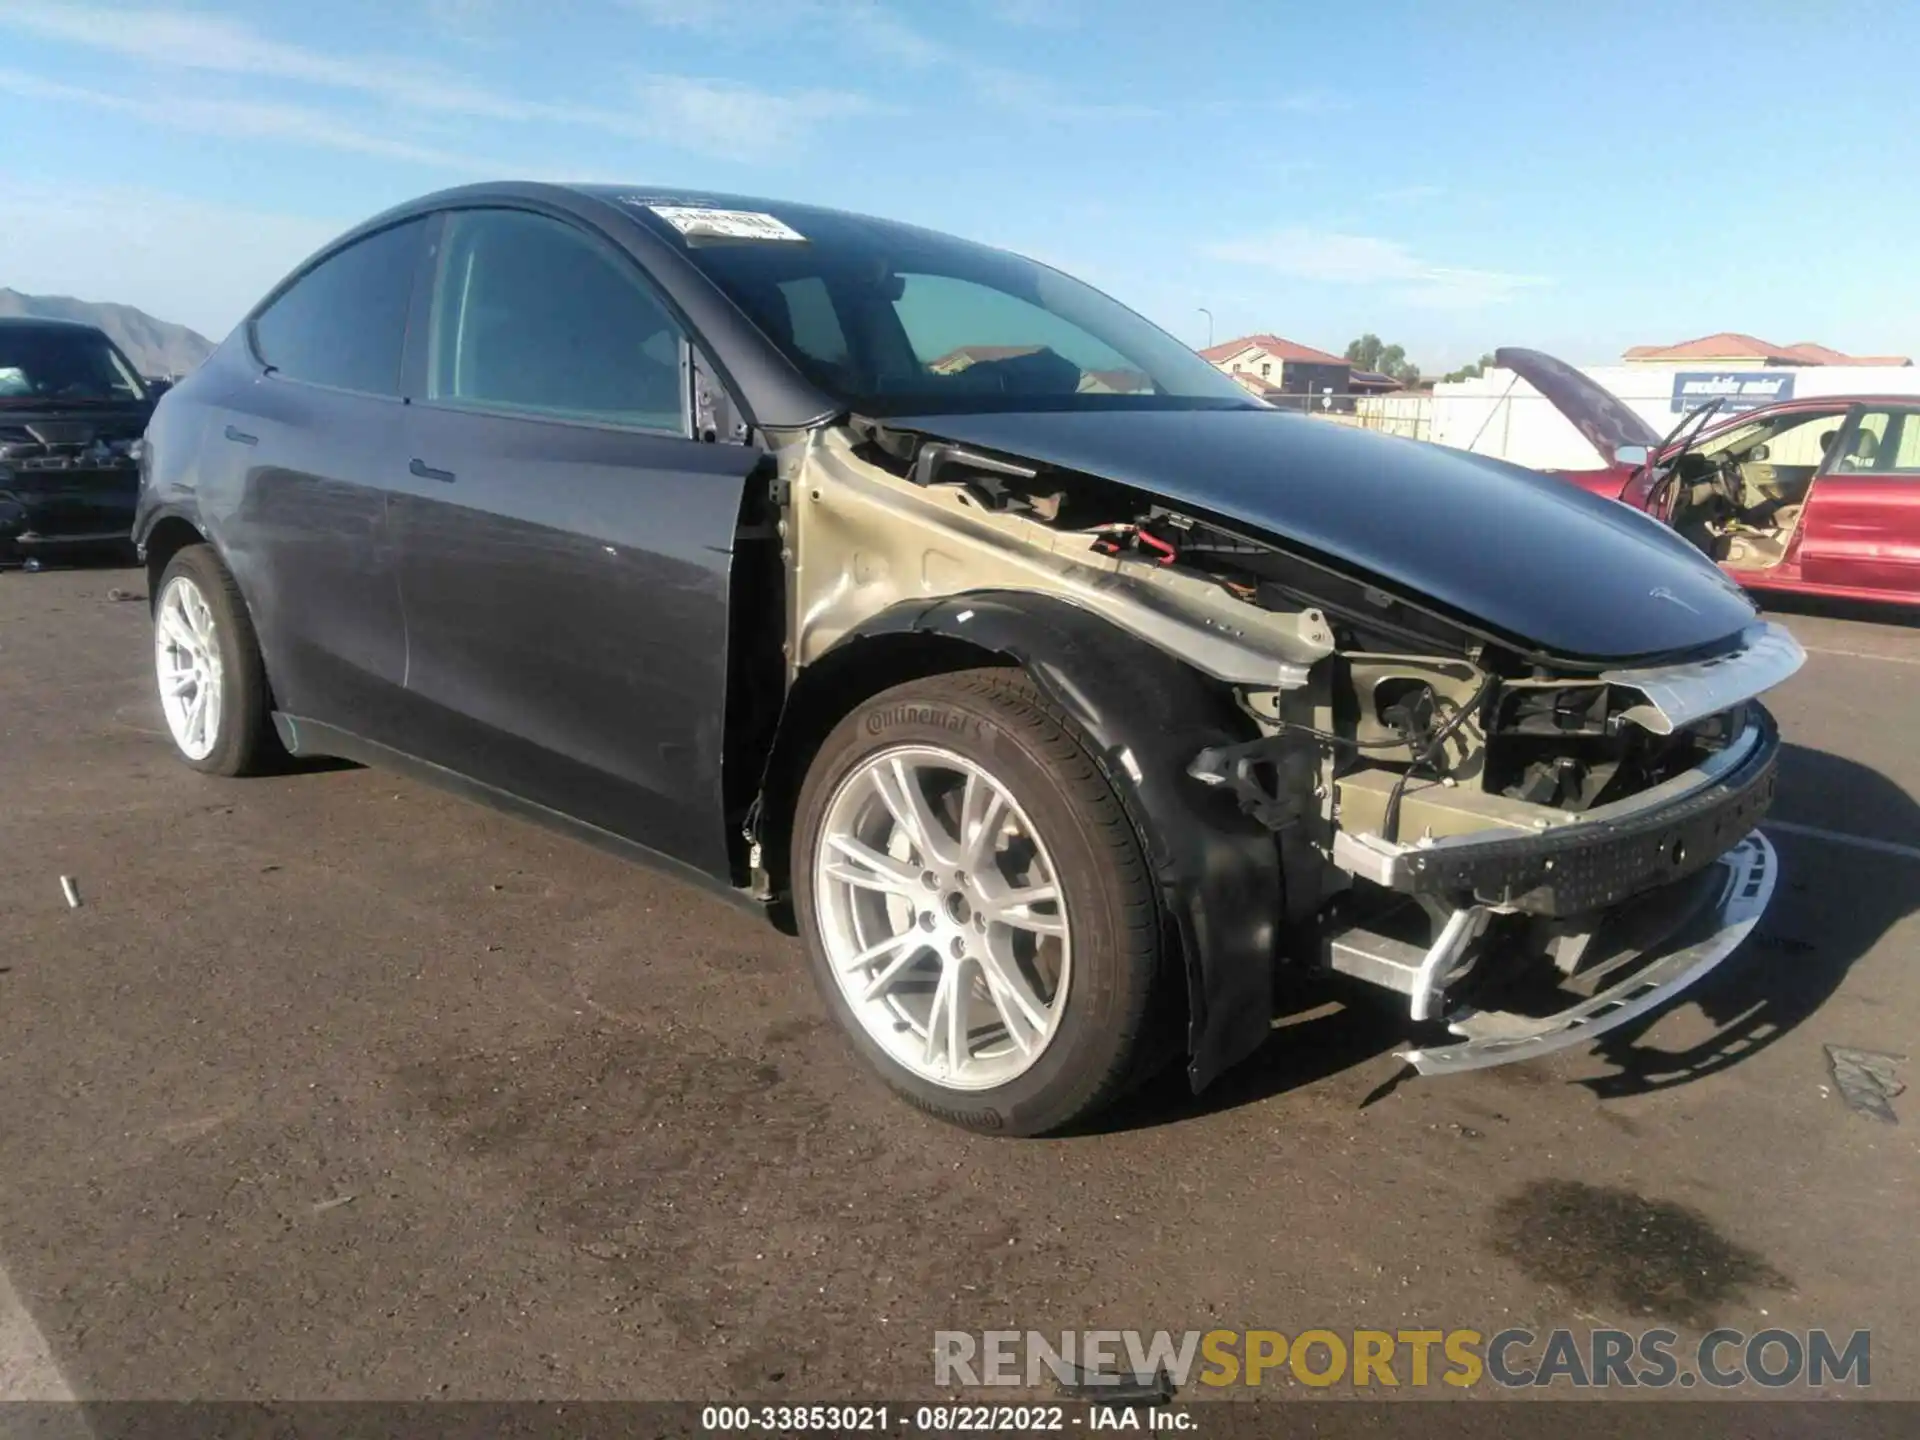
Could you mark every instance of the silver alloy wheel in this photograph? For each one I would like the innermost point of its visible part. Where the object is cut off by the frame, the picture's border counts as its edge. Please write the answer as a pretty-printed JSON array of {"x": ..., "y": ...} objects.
[
  {"x": 942, "y": 917},
  {"x": 186, "y": 658}
]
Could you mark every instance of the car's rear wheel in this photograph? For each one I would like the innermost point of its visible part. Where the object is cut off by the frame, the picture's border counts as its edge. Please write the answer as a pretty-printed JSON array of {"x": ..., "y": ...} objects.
[
  {"x": 206, "y": 658},
  {"x": 976, "y": 905}
]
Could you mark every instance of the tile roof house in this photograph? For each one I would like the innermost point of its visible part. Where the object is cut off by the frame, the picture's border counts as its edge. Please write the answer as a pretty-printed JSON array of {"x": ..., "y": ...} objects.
[
  {"x": 1265, "y": 389},
  {"x": 1730, "y": 347},
  {"x": 1271, "y": 347},
  {"x": 1280, "y": 366},
  {"x": 1092, "y": 382},
  {"x": 1115, "y": 382},
  {"x": 954, "y": 361}
]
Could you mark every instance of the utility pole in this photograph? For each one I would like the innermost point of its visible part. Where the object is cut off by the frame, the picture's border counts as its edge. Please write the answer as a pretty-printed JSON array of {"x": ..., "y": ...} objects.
[{"x": 1209, "y": 314}]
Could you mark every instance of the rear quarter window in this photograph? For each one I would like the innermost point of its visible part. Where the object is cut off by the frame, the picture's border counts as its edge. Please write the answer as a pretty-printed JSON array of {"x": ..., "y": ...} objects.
[{"x": 344, "y": 322}]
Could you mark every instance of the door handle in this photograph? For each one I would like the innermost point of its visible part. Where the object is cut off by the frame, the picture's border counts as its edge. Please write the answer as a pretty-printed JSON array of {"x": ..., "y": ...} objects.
[
  {"x": 240, "y": 437},
  {"x": 424, "y": 471}
]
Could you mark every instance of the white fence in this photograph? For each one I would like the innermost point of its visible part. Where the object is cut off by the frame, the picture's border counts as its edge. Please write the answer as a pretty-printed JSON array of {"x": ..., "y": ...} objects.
[{"x": 1500, "y": 414}]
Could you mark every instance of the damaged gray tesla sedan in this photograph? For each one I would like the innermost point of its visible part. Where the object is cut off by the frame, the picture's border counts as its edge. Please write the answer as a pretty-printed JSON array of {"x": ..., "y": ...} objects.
[{"x": 1058, "y": 694}]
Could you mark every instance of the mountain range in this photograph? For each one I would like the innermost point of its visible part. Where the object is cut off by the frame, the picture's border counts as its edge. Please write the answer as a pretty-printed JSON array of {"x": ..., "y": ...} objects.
[{"x": 156, "y": 347}]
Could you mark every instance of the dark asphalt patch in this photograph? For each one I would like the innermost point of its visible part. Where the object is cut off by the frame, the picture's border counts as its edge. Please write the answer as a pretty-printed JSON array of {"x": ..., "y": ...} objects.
[{"x": 1605, "y": 1246}]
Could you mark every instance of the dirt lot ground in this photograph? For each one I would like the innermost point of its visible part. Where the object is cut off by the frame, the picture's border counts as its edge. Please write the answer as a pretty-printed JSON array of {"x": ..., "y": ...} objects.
[{"x": 337, "y": 1087}]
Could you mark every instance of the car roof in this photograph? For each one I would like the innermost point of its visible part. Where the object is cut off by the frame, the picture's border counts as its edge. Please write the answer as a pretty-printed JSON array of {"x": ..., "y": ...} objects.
[
  {"x": 774, "y": 393},
  {"x": 1817, "y": 402},
  {"x": 621, "y": 198},
  {"x": 1806, "y": 402},
  {"x": 643, "y": 195}
]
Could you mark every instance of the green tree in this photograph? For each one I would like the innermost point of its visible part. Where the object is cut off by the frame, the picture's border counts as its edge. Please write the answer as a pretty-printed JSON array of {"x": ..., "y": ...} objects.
[
  {"x": 1470, "y": 372},
  {"x": 1370, "y": 352}
]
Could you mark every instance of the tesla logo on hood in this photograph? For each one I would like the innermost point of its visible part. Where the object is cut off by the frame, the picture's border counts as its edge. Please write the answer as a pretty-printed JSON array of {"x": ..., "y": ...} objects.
[{"x": 1661, "y": 592}]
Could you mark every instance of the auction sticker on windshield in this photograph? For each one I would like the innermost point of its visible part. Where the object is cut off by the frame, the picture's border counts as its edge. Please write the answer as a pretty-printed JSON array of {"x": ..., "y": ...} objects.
[{"x": 725, "y": 224}]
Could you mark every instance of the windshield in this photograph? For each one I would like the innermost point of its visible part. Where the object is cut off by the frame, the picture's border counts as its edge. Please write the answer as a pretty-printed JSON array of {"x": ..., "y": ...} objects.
[
  {"x": 63, "y": 363},
  {"x": 1796, "y": 438},
  {"x": 893, "y": 320}
]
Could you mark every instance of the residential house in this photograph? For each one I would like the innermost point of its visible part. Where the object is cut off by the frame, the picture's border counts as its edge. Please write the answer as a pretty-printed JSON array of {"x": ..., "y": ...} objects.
[
  {"x": 1270, "y": 366},
  {"x": 954, "y": 361},
  {"x": 1731, "y": 348},
  {"x": 1092, "y": 382}
]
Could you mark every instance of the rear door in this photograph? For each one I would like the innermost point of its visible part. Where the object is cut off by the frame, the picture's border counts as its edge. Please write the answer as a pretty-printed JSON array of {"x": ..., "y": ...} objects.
[
  {"x": 564, "y": 542},
  {"x": 295, "y": 485},
  {"x": 1861, "y": 531}
]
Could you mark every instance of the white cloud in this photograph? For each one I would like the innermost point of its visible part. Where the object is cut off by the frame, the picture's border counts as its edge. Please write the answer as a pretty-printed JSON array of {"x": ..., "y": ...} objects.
[
  {"x": 881, "y": 32},
  {"x": 726, "y": 118},
  {"x": 197, "y": 264},
  {"x": 1035, "y": 96},
  {"x": 471, "y": 22},
  {"x": 1035, "y": 14},
  {"x": 246, "y": 120},
  {"x": 872, "y": 26},
  {"x": 723, "y": 118},
  {"x": 703, "y": 15},
  {"x": 885, "y": 34},
  {"x": 1339, "y": 259},
  {"x": 191, "y": 40}
]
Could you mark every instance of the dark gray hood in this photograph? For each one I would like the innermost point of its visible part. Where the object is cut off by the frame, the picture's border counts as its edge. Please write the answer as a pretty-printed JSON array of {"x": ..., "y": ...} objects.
[{"x": 1532, "y": 557}]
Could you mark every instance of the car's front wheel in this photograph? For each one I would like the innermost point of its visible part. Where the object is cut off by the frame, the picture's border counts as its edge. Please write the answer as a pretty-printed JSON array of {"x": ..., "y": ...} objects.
[
  {"x": 206, "y": 660},
  {"x": 976, "y": 905}
]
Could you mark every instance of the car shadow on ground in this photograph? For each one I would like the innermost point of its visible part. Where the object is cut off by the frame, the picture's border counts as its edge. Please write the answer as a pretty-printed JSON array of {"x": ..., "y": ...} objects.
[
  {"x": 1866, "y": 612},
  {"x": 1830, "y": 908},
  {"x": 1326, "y": 1028}
]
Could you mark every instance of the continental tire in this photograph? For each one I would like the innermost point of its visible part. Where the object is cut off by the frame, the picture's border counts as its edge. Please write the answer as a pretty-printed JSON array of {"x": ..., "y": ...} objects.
[{"x": 975, "y": 904}]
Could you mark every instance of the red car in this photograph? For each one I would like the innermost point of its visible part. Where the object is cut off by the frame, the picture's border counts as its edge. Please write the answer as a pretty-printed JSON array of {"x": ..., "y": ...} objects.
[{"x": 1819, "y": 496}]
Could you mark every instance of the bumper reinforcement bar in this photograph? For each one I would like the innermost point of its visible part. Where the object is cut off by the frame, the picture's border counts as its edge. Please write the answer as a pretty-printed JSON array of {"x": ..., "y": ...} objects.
[{"x": 1745, "y": 878}]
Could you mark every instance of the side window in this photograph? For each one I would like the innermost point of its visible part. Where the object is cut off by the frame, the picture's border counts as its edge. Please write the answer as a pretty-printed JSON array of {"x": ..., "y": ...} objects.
[
  {"x": 1868, "y": 449},
  {"x": 1906, "y": 449},
  {"x": 531, "y": 315},
  {"x": 344, "y": 322},
  {"x": 815, "y": 323}
]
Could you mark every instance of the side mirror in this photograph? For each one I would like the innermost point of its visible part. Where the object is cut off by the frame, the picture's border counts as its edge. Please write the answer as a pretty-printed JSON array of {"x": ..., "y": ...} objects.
[
  {"x": 1758, "y": 454},
  {"x": 1630, "y": 454}
]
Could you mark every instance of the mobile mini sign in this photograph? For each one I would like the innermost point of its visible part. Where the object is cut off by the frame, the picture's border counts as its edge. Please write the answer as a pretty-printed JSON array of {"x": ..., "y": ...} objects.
[{"x": 1734, "y": 389}]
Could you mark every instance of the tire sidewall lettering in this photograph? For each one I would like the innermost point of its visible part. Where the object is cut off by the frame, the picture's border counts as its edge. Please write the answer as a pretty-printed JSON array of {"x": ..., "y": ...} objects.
[{"x": 918, "y": 715}]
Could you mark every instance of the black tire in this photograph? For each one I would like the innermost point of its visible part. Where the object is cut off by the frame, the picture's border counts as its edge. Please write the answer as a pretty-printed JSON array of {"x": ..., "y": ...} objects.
[
  {"x": 997, "y": 719},
  {"x": 245, "y": 743}
]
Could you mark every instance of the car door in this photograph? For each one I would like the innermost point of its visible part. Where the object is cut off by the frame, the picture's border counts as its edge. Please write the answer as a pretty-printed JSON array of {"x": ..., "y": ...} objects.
[
  {"x": 1861, "y": 531},
  {"x": 293, "y": 488},
  {"x": 563, "y": 540}
]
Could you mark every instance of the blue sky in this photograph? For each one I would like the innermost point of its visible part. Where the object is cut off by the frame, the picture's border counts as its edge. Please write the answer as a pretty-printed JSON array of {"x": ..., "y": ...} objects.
[{"x": 1452, "y": 176}]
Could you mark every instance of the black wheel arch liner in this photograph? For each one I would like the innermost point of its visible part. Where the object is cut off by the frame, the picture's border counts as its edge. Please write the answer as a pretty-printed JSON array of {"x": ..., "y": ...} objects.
[
  {"x": 1146, "y": 714},
  {"x": 148, "y": 521}
]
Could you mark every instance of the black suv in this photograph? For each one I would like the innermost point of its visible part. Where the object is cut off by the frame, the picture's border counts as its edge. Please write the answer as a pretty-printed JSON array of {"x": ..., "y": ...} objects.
[{"x": 72, "y": 410}]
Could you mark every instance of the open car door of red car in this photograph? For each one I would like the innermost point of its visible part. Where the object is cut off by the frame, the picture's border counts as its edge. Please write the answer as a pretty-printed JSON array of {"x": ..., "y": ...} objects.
[{"x": 1860, "y": 535}]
